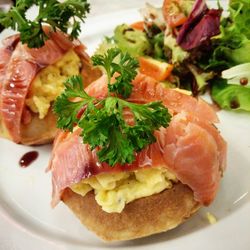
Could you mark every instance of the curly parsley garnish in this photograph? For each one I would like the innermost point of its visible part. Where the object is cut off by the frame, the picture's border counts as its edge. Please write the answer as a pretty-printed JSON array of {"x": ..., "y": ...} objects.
[
  {"x": 102, "y": 120},
  {"x": 126, "y": 68},
  {"x": 65, "y": 16}
]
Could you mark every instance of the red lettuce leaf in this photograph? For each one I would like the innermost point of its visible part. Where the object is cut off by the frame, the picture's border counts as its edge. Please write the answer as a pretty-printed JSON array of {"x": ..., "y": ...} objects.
[{"x": 202, "y": 24}]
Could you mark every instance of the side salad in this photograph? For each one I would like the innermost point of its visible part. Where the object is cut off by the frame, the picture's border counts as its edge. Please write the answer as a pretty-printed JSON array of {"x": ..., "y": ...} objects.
[{"x": 186, "y": 44}]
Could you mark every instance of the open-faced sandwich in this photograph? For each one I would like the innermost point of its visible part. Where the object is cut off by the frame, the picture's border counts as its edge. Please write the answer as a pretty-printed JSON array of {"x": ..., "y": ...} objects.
[
  {"x": 136, "y": 158},
  {"x": 34, "y": 65}
]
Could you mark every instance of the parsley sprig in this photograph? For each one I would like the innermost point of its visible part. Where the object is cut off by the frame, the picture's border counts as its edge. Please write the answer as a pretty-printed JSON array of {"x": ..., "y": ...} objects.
[
  {"x": 104, "y": 125},
  {"x": 65, "y": 16},
  {"x": 125, "y": 70}
]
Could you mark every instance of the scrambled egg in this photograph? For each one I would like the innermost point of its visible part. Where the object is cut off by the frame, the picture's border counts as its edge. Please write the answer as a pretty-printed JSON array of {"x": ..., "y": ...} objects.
[
  {"x": 48, "y": 83},
  {"x": 114, "y": 191},
  {"x": 211, "y": 218}
]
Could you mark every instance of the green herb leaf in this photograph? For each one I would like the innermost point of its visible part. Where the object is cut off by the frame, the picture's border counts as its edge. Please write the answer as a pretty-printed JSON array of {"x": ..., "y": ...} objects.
[
  {"x": 148, "y": 118},
  {"x": 66, "y": 109},
  {"x": 116, "y": 128},
  {"x": 105, "y": 126},
  {"x": 114, "y": 61},
  {"x": 64, "y": 16}
]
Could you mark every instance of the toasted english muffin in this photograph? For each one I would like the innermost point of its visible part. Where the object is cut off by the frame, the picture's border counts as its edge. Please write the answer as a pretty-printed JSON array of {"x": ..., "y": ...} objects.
[
  {"x": 142, "y": 217},
  {"x": 39, "y": 131}
]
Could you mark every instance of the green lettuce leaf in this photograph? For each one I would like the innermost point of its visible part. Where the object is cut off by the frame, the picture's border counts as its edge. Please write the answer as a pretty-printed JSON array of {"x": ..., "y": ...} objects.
[
  {"x": 178, "y": 54},
  {"x": 135, "y": 42},
  {"x": 232, "y": 46},
  {"x": 240, "y": 12},
  {"x": 231, "y": 96},
  {"x": 201, "y": 78}
]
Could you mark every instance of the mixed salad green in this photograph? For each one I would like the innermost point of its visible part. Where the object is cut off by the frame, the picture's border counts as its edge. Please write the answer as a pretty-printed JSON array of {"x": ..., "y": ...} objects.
[{"x": 208, "y": 49}]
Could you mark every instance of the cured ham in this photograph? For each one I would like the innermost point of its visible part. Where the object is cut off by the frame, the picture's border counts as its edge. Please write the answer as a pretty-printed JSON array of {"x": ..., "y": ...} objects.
[
  {"x": 18, "y": 67},
  {"x": 191, "y": 147},
  {"x": 146, "y": 89}
]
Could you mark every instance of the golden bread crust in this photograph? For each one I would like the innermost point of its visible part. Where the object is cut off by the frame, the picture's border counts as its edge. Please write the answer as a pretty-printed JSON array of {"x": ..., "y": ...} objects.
[
  {"x": 39, "y": 131},
  {"x": 140, "y": 218}
]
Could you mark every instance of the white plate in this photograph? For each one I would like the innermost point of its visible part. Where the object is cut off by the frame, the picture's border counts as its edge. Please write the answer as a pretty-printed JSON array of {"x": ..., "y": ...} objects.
[{"x": 25, "y": 193}]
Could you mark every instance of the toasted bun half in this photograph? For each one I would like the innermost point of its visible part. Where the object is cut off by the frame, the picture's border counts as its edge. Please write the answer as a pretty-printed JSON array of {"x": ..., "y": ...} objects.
[
  {"x": 140, "y": 218},
  {"x": 39, "y": 131}
]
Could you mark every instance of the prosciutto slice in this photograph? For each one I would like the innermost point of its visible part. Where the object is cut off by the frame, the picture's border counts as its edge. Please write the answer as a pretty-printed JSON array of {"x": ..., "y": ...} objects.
[
  {"x": 18, "y": 67},
  {"x": 191, "y": 147}
]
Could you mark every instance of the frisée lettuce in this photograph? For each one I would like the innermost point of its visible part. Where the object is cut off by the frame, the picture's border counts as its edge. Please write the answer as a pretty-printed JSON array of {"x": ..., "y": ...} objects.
[{"x": 232, "y": 46}]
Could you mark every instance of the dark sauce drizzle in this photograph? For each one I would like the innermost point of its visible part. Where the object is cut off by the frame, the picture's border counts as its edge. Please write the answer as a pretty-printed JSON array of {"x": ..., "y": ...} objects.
[{"x": 28, "y": 158}]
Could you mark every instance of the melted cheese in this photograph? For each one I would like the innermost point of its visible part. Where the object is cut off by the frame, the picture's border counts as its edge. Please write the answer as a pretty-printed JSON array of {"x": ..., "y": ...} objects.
[
  {"x": 114, "y": 191},
  {"x": 48, "y": 83}
]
